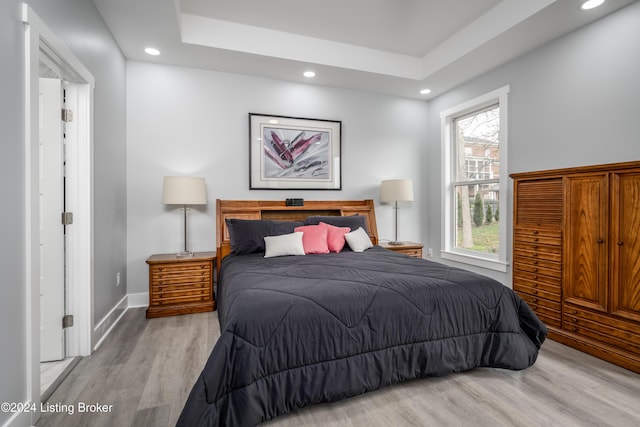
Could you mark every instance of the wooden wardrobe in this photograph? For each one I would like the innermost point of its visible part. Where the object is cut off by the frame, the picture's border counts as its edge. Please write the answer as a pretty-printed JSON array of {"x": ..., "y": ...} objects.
[{"x": 576, "y": 256}]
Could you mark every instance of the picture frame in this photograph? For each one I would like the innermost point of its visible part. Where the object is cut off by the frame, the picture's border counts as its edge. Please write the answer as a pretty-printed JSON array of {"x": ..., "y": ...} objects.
[{"x": 294, "y": 153}]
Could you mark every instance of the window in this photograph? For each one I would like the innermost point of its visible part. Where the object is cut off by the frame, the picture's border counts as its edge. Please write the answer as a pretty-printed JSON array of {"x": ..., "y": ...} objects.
[{"x": 475, "y": 181}]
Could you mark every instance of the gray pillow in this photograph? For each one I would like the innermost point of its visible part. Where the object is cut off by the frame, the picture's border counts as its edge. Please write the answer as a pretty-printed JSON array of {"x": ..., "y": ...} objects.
[{"x": 247, "y": 235}]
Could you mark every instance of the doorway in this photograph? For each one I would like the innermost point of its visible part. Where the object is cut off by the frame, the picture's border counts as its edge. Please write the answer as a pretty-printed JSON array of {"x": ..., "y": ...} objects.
[
  {"x": 53, "y": 126},
  {"x": 42, "y": 46}
]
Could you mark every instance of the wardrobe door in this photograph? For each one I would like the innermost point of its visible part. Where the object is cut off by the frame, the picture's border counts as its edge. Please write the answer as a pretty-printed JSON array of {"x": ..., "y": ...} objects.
[
  {"x": 586, "y": 247},
  {"x": 625, "y": 227}
]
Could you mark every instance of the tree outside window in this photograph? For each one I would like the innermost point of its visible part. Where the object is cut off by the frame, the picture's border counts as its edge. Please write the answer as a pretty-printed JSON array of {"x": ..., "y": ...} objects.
[{"x": 477, "y": 179}]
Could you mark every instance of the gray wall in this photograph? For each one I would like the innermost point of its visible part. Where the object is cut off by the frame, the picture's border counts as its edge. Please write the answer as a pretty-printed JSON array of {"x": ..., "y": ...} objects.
[
  {"x": 13, "y": 333},
  {"x": 573, "y": 102},
  {"x": 195, "y": 122},
  {"x": 79, "y": 25}
]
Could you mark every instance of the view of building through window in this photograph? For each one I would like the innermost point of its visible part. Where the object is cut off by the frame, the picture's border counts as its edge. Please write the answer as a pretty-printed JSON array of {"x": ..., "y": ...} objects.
[{"x": 477, "y": 180}]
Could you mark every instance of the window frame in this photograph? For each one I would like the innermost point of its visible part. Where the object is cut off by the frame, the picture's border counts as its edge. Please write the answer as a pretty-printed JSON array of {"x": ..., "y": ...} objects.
[{"x": 497, "y": 262}]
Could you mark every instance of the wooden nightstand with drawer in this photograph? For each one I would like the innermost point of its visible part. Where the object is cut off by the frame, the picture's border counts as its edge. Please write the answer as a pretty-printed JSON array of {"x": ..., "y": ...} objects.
[
  {"x": 408, "y": 248},
  {"x": 181, "y": 285}
]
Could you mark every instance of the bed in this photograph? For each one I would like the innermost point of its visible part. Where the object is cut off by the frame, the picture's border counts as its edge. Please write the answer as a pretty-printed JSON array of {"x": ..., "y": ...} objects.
[{"x": 299, "y": 330}]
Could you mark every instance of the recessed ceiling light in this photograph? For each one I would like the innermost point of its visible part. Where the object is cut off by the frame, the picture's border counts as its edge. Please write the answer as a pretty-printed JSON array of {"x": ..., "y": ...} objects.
[
  {"x": 309, "y": 74},
  {"x": 425, "y": 91},
  {"x": 590, "y": 4},
  {"x": 152, "y": 51}
]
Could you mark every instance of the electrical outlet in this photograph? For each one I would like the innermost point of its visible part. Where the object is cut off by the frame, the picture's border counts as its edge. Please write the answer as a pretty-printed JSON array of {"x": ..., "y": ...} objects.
[
  {"x": 117, "y": 279},
  {"x": 429, "y": 252}
]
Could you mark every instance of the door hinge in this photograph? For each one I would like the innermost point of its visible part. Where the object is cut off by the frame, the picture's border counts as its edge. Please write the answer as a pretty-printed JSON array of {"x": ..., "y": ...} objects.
[
  {"x": 67, "y": 321},
  {"x": 67, "y": 218},
  {"x": 67, "y": 115}
]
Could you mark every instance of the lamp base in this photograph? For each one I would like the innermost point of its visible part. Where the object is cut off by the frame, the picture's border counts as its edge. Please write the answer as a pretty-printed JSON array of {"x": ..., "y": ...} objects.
[
  {"x": 184, "y": 255},
  {"x": 395, "y": 243}
]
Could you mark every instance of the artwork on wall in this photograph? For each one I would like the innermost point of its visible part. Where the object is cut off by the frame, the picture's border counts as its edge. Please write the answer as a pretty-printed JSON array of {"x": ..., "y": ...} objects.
[{"x": 293, "y": 153}]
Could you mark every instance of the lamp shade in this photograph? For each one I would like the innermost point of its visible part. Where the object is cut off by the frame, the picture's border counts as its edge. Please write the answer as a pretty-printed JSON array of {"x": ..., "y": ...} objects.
[
  {"x": 396, "y": 190},
  {"x": 184, "y": 190}
]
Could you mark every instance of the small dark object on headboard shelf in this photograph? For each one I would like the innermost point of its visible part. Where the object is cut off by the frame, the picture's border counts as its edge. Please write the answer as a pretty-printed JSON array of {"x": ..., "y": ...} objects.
[{"x": 295, "y": 202}]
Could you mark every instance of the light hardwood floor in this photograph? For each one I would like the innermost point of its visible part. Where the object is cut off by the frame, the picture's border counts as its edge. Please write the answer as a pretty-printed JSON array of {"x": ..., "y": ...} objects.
[{"x": 146, "y": 368}]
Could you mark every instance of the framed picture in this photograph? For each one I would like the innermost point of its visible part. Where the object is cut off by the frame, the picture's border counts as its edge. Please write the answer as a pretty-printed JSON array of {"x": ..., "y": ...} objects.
[{"x": 293, "y": 153}]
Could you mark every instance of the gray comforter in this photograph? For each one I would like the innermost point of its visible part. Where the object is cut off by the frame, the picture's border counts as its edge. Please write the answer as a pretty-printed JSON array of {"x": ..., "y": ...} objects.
[{"x": 300, "y": 330}]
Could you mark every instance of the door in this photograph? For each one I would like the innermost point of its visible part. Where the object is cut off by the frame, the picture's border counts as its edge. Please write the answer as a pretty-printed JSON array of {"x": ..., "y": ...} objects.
[
  {"x": 51, "y": 182},
  {"x": 585, "y": 241},
  {"x": 625, "y": 244}
]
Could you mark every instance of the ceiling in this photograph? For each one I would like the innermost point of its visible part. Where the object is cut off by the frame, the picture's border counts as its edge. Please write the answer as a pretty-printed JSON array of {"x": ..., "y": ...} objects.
[{"x": 395, "y": 47}]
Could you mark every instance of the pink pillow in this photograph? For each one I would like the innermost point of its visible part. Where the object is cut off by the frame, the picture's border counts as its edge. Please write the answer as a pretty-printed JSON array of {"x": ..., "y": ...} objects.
[
  {"x": 335, "y": 237},
  {"x": 314, "y": 239}
]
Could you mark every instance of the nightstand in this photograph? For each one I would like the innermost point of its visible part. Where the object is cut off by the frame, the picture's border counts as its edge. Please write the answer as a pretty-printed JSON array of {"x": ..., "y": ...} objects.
[
  {"x": 181, "y": 285},
  {"x": 408, "y": 248}
]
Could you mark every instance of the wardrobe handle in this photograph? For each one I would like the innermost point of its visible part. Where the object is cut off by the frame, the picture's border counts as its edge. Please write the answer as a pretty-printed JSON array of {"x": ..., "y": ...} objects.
[
  {"x": 600, "y": 241},
  {"x": 619, "y": 243}
]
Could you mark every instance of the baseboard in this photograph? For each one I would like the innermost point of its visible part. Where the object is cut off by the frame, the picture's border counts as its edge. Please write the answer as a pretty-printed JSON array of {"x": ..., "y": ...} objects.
[
  {"x": 107, "y": 323},
  {"x": 138, "y": 300}
]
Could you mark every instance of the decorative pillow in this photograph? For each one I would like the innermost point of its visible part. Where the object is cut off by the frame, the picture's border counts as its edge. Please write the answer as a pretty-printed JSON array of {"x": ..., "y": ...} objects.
[
  {"x": 353, "y": 221},
  {"x": 284, "y": 244},
  {"x": 314, "y": 239},
  {"x": 335, "y": 237},
  {"x": 358, "y": 240},
  {"x": 247, "y": 235}
]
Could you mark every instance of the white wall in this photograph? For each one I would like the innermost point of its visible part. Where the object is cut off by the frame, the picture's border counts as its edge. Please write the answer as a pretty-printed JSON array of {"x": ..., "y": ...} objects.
[
  {"x": 573, "y": 102},
  {"x": 195, "y": 122}
]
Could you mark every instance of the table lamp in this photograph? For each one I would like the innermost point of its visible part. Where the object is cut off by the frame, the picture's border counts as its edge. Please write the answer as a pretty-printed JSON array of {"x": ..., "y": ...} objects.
[
  {"x": 184, "y": 190},
  {"x": 396, "y": 190}
]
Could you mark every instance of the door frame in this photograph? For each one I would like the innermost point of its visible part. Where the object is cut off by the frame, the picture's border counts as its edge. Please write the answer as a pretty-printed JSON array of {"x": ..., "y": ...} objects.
[{"x": 41, "y": 42}]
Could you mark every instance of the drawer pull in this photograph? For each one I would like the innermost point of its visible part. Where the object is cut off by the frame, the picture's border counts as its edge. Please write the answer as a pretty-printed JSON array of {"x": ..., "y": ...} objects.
[
  {"x": 534, "y": 284},
  {"x": 535, "y": 239},
  {"x": 534, "y": 307},
  {"x": 574, "y": 312},
  {"x": 534, "y": 292},
  {"x": 535, "y": 269},
  {"x": 574, "y": 320},
  {"x": 535, "y": 262},
  {"x": 535, "y": 247},
  {"x": 600, "y": 241},
  {"x": 535, "y": 300},
  {"x": 619, "y": 243},
  {"x": 535, "y": 231},
  {"x": 572, "y": 328}
]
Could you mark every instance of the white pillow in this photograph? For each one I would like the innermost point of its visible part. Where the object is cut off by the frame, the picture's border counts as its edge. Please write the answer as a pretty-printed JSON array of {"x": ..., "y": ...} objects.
[
  {"x": 358, "y": 240},
  {"x": 285, "y": 244}
]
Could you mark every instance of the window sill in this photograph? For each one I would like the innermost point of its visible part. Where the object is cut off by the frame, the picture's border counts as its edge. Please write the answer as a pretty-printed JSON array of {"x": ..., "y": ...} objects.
[{"x": 491, "y": 264}]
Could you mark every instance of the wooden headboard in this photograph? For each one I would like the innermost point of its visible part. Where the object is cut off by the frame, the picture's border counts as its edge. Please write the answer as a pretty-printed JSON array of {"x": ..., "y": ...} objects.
[{"x": 277, "y": 209}]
